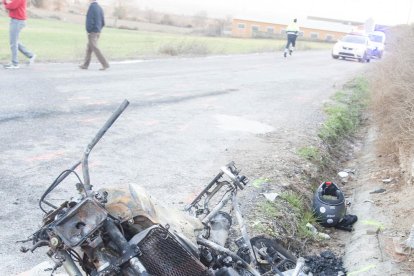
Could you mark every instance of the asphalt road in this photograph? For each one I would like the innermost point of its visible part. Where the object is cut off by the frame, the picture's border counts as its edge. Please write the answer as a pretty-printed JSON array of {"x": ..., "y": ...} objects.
[{"x": 187, "y": 117}]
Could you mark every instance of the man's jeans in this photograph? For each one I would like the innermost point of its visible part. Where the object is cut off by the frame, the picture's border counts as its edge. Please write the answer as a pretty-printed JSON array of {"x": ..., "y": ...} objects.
[{"x": 15, "y": 27}]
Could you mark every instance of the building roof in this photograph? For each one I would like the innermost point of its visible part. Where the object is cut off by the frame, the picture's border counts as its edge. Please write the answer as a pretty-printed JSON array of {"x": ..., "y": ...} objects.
[
  {"x": 331, "y": 25},
  {"x": 342, "y": 21}
]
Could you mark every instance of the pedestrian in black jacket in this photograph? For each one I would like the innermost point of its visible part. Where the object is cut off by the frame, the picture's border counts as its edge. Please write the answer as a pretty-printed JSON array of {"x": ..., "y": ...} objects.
[{"x": 95, "y": 21}]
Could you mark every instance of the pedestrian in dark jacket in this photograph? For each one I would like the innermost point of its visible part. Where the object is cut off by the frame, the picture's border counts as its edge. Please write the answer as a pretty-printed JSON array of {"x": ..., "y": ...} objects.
[{"x": 95, "y": 21}]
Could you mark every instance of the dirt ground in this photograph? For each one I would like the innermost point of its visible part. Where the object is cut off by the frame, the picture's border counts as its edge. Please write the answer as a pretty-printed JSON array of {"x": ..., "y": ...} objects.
[{"x": 383, "y": 204}]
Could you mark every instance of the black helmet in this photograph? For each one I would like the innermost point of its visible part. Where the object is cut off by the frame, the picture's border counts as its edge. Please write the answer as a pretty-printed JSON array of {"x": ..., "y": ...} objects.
[{"x": 329, "y": 204}]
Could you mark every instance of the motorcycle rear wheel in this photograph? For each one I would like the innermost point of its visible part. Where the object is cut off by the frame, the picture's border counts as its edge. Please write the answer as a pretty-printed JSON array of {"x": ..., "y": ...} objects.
[{"x": 282, "y": 259}]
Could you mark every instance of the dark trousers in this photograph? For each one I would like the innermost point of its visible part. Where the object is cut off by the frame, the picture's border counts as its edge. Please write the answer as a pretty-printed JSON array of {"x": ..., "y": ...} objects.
[
  {"x": 291, "y": 40},
  {"x": 92, "y": 47}
]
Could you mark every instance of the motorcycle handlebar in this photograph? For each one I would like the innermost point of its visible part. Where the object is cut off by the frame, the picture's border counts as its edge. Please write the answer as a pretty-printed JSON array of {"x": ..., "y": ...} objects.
[{"x": 95, "y": 140}]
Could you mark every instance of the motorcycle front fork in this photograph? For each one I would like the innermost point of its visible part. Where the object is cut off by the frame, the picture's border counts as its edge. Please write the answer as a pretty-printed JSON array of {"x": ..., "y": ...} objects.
[
  {"x": 118, "y": 238},
  {"x": 63, "y": 258}
]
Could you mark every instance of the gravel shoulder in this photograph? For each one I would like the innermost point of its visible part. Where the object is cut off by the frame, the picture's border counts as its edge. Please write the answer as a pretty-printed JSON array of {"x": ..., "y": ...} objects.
[{"x": 380, "y": 200}]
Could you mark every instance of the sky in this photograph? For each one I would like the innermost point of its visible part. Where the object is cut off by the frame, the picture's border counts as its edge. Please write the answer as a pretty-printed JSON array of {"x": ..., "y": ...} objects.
[{"x": 389, "y": 12}]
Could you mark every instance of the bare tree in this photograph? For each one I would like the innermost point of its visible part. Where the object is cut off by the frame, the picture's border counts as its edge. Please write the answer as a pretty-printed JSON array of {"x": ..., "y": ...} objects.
[
  {"x": 124, "y": 8},
  {"x": 150, "y": 15},
  {"x": 200, "y": 19},
  {"x": 228, "y": 19},
  {"x": 59, "y": 5},
  {"x": 166, "y": 20},
  {"x": 216, "y": 28},
  {"x": 38, "y": 3}
]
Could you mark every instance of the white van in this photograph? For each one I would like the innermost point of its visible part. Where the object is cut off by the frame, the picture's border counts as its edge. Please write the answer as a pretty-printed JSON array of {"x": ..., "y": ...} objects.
[{"x": 377, "y": 43}]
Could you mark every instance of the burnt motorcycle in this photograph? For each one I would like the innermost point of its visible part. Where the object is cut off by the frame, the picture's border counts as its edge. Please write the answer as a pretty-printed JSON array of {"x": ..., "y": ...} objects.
[{"x": 123, "y": 232}]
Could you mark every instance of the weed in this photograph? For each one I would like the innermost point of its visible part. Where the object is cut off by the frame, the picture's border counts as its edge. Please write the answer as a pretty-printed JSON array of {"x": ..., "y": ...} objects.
[
  {"x": 345, "y": 113},
  {"x": 294, "y": 200},
  {"x": 269, "y": 209},
  {"x": 309, "y": 153},
  {"x": 259, "y": 182},
  {"x": 185, "y": 48},
  {"x": 303, "y": 231},
  {"x": 303, "y": 216},
  {"x": 264, "y": 228}
]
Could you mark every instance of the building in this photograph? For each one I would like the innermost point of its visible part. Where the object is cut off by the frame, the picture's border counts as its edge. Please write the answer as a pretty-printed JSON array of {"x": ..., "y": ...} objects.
[{"x": 311, "y": 28}]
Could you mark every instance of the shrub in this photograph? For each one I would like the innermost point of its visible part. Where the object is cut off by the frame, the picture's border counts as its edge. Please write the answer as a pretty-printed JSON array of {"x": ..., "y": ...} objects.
[
  {"x": 393, "y": 99},
  {"x": 184, "y": 48}
]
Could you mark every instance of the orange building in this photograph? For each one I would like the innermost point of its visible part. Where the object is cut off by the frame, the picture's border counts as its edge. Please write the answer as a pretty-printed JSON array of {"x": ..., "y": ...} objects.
[{"x": 309, "y": 29}]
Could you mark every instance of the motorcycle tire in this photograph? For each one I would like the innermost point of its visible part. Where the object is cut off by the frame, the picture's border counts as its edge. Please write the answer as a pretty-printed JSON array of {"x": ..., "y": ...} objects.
[{"x": 282, "y": 258}]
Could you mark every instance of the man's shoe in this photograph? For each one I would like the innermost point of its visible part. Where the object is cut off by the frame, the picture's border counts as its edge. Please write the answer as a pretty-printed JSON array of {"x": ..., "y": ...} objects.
[
  {"x": 285, "y": 54},
  {"x": 83, "y": 67},
  {"x": 290, "y": 52},
  {"x": 32, "y": 59},
  {"x": 104, "y": 68},
  {"x": 11, "y": 66}
]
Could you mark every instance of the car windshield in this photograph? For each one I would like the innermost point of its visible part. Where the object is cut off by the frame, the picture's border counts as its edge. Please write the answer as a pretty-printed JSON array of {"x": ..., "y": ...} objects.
[
  {"x": 376, "y": 38},
  {"x": 354, "y": 39}
]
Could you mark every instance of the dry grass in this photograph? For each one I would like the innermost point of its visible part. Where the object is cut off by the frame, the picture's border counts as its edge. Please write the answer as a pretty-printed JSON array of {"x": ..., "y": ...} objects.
[
  {"x": 393, "y": 98},
  {"x": 182, "y": 48}
]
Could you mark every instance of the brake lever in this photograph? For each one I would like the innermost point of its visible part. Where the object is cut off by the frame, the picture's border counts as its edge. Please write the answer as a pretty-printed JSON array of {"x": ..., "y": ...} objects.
[{"x": 40, "y": 243}]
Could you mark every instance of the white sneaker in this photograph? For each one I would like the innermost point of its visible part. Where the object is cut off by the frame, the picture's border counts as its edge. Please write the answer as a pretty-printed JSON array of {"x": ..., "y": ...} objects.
[
  {"x": 32, "y": 59},
  {"x": 11, "y": 66}
]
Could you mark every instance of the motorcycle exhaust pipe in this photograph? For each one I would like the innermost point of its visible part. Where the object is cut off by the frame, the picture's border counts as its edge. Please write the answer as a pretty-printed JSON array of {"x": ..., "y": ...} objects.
[{"x": 220, "y": 227}]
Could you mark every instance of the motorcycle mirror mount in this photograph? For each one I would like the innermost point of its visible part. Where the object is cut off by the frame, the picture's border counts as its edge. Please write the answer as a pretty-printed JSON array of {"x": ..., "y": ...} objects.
[{"x": 95, "y": 140}]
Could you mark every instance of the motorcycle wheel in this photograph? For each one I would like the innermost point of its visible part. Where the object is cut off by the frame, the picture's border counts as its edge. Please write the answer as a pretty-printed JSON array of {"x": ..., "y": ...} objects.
[{"x": 282, "y": 258}]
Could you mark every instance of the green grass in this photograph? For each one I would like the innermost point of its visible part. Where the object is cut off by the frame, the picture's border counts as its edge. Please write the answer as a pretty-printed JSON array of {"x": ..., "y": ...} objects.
[
  {"x": 304, "y": 232},
  {"x": 54, "y": 40},
  {"x": 269, "y": 209},
  {"x": 303, "y": 216},
  {"x": 290, "y": 212},
  {"x": 298, "y": 214},
  {"x": 344, "y": 113},
  {"x": 309, "y": 153},
  {"x": 294, "y": 200}
]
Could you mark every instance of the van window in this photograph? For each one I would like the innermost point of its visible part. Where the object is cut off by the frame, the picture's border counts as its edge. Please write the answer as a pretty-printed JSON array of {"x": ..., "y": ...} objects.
[{"x": 376, "y": 38}]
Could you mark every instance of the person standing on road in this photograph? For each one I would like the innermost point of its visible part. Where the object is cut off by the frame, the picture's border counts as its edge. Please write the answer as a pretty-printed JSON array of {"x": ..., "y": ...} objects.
[
  {"x": 292, "y": 32},
  {"x": 95, "y": 21},
  {"x": 18, "y": 16}
]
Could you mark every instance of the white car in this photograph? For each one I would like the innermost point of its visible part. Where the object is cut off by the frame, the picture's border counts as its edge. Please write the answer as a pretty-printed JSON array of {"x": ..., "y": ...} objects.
[
  {"x": 377, "y": 43},
  {"x": 353, "y": 46}
]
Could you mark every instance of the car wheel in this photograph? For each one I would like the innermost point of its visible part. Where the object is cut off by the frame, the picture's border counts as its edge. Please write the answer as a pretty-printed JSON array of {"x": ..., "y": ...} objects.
[
  {"x": 335, "y": 57},
  {"x": 380, "y": 54},
  {"x": 364, "y": 58}
]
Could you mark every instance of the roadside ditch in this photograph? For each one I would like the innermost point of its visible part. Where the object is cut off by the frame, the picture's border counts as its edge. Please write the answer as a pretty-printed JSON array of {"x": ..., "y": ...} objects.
[
  {"x": 284, "y": 210},
  {"x": 373, "y": 184}
]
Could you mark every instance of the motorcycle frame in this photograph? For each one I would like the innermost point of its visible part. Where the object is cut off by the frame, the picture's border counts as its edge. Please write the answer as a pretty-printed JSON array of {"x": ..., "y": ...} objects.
[
  {"x": 209, "y": 192},
  {"x": 62, "y": 257},
  {"x": 215, "y": 185},
  {"x": 117, "y": 236}
]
